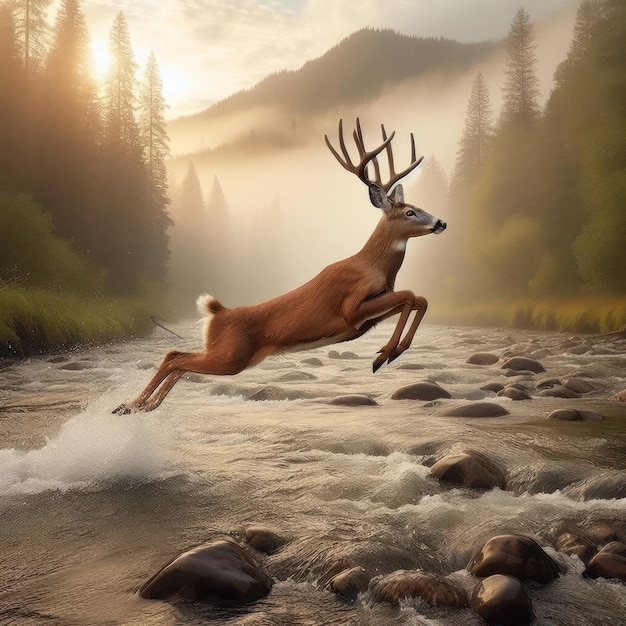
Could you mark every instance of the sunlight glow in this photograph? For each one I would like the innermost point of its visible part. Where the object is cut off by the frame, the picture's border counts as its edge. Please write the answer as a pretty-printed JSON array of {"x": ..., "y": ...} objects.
[
  {"x": 102, "y": 59},
  {"x": 176, "y": 86}
]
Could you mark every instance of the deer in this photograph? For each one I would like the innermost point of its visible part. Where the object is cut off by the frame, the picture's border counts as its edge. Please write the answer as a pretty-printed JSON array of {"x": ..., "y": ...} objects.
[{"x": 343, "y": 302}]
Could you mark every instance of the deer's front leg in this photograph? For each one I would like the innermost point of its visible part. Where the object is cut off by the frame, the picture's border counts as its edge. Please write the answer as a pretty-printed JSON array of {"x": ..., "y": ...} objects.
[
  {"x": 421, "y": 304},
  {"x": 382, "y": 307}
]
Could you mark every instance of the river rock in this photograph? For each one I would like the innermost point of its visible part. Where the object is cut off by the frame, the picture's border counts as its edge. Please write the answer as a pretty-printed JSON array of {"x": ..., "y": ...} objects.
[
  {"x": 469, "y": 469},
  {"x": 410, "y": 366},
  {"x": 606, "y": 486},
  {"x": 558, "y": 392},
  {"x": 354, "y": 400},
  {"x": 269, "y": 392},
  {"x": 420, "y": 391},
  {"x": 262, "y": 539},
  {"x": 296, "y": 376},
  {"x": 429, "y": 587},
  {"x": 313, "y": 360},
  {"x": 217, "y": 572},
  {"x": 514, "y": 555},
  {"x": 620, "y": 396},
  {"x": 473, "y": 409},
  {"x": 495, "y": 387},
  {"x": 610, "y": 562},
  {"x": 502, "y": 600},
  {"x": 583, "y": 548},
  {"x": 77, "y": 366},
  {"x": 575, "y": 415},
  {"x": 581, "y": 385},
  {"x": 482, "y": 358},
  {"x": 514, "y": 393},
  {"x": 523, "y": 363},
  {"x": 349, "y": 583},
  {"x": 347, "y": 354}
]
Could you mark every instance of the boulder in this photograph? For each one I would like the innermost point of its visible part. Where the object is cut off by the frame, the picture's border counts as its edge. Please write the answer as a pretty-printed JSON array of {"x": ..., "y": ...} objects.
[
  {"x": 502, "y": 600},
  {"x": 514, "y": 555},
  {"x": 523, "y": 363},
  {"x": 420, "y": 391},
  {"x": 469, "y": 469},
  {"x": 474, "y": 409},
  {"x": 513, "y": 393},
  {"x": 558, "y": 392},
  {"x": 548, "y": 383},
  {"x": 568, "y": 543},
  {"x": 431, "y": 588},
  {"x": 354, "y": 400},
  {"x": 262, "y": 539},
  {"x": 296, "y": 376},
  {"x": 610, "y": 562},
  {"x": 217, "y": 572},
  {"x": 580, "y": 385},
  {"x": 575, "y": 415},
  {"x": 349, "y": 583},
  {"x": 313, "y": 360},
  {"x": 482, "y": 358},
  {"x": 495, "y": 387}
]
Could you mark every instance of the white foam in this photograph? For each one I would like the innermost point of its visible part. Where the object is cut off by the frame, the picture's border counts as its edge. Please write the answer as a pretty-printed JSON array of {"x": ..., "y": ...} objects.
[{"x": 92, "y": 449}]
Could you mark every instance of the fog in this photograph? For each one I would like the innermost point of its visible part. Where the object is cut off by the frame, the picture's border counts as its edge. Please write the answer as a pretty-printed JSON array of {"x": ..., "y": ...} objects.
[{"x": 294, "y": 209}]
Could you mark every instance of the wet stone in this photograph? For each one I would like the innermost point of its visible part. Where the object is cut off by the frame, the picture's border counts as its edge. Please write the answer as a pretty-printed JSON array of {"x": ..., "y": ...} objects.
[
  {"x": 495, "y": 387},
  {"x": 513, "y": 393},
  {"x": 558, "y": 392},
  {"x": 583, "y": 548},
  {"x": 473, "y": 409},
  {"x": 420, "y": 391},
  {"x": 469, "y": 469},
  {"x": 502, "y": 600},
  {"x": 432, "y": 588},
  {"x": 514, "y": 555},
  {"x": 314, "y": 361},
  {"x": 349, "y": 583},
  {"x": 548, "y": 383},
  {"x": 354, "y": 400},
  {"x": 218, "y": 572},
  {"x": 575, "y": 415},
  {"x": 262, "y": 539},
  {"x": 580, "y": 385},
  {"x": 521, "y": 363},
  {"x": 482, "y": 358},
  {"x": 296, "y": 376},
  {"x": 347, "y": 354},
  {"x": 410, "y": 366},
  {"x": 277, "y": 393},
  {"x": 620, "y": 396},
  {"x": 610, "y": 562}
]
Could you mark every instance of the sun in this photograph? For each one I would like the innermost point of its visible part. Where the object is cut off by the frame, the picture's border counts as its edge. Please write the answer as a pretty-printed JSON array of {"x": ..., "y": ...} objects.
[{"x": 102, "y": 59}]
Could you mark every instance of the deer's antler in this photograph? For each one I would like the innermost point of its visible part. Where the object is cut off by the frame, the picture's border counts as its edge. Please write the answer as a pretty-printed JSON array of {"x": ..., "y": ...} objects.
[{"x": 366, "y": 157}]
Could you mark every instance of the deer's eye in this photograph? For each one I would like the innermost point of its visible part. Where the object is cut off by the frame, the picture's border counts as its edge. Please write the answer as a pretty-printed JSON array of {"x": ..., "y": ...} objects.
[{"x": 410, "y": 213}]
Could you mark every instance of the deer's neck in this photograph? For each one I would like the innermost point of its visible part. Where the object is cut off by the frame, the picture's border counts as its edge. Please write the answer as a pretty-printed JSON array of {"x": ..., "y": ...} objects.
[{"x": 385, "y": 249}]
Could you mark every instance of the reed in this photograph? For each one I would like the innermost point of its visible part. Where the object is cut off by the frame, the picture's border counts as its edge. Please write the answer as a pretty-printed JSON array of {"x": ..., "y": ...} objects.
[
  {"x": 35, "y": 321},
  {"x": 599, "y": 314}
]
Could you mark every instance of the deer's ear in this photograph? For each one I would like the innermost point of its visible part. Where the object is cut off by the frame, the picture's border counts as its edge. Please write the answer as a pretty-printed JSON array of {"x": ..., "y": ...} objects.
[
  {"x": 397, "y": 195},
  {"x": 378, "y": 197}
]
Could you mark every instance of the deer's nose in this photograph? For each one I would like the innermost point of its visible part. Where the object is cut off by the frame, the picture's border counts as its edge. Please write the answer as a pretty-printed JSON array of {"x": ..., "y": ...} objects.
[{"x": 439, "y": 227}]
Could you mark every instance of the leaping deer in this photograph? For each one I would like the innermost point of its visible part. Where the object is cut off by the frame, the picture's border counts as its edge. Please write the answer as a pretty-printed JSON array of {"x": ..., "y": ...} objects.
[{"x": 341, "y": 303}]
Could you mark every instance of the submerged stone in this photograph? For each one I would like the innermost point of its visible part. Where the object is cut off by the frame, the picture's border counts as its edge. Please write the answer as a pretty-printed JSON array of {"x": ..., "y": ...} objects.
[
  {"x": 262, "y": 539},
  {"x": 513, "y": 393},
  {"x": 518, "y": 363},
  {"x": 584, "y": 549},
  {"x": 474, "y": 409},
  {"x": 354, "y": 400},
  {"x": 502, "y": 600},
  {"x": 469, "y": 469},
  {"x": 431, "y": 588},
  {"x": 220, "y": 571},
  {"x": 482, "y": 358},
  {"x": 349, "y": 583},
  {"x": 575, "y": 415},
  {"x": 420, "y": 391},
  {"x": 558, "y": 392},
  {"x": 610, "y": 562}
]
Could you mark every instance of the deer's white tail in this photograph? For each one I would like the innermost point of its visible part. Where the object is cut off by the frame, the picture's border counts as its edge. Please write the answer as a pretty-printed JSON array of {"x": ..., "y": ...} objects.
[{"x": 207, "y": 304}]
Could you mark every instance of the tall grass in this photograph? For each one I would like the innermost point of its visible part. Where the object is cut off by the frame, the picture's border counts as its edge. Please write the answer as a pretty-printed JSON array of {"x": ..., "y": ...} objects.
[
  {"x": 601, "y": 314},
  {"x": 35, "y": 320}
]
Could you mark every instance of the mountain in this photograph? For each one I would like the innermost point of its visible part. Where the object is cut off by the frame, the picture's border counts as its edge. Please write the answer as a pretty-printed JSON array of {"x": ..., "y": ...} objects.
[{"x": 359, "y": 69}]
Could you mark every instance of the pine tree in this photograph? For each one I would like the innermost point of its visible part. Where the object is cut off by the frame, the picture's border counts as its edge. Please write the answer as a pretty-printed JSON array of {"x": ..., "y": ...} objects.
[
  {"x": 70, "y": 129},
  {"x": 155, "y": 141},
  {"x": 12, "y": 102},
  {"x": 219, "y": 241},
  {"x": 477, "y": 135},
  {"x": 521, "y": 88},
  {"x": 32, "y": 30}
]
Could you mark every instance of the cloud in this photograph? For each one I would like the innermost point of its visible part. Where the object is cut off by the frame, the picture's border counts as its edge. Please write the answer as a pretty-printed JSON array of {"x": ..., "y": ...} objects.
[{"x": 222, "y": 46}]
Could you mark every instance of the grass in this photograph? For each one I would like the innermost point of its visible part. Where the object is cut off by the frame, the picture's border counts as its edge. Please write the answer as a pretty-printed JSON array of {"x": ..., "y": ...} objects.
[
  {"x": 601, "y": 314},
  {"x": 35, "y": 321}
]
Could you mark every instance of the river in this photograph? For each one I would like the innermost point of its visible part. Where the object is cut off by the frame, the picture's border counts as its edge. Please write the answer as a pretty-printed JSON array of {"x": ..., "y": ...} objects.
[{"x": 92, "y": 504}]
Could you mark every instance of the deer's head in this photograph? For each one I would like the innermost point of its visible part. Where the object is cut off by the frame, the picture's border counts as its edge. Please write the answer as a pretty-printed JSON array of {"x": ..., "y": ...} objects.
[{"x": 407, "y": 220}]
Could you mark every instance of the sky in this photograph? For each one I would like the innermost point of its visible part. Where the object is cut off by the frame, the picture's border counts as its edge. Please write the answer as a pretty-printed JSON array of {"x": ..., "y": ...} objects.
[{"x": 210, "y": 49}]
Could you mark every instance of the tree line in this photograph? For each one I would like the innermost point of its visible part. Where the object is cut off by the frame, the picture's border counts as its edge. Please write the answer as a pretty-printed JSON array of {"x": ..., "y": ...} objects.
[
  {"x": 86, "y": 164},
  {"x": 539, "y": 194}
]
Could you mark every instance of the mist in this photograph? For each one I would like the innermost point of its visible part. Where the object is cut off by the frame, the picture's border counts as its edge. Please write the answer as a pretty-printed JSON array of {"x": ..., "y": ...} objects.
[{"x": 293, "y": 209}]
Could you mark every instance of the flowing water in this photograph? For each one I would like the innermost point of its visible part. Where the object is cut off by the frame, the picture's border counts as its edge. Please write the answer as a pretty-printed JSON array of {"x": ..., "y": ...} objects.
[{"x": 92, "y": 504}]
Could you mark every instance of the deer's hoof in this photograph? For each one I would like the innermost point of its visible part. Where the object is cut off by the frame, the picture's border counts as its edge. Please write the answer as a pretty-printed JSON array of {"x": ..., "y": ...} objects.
[
  {"x": 122, "y": 409},
  {"x": 379, "y": 361}
]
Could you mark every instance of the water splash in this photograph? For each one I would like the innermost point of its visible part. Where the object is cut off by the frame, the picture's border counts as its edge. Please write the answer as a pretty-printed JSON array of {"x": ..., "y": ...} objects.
[{"x": 92, "y": 450}]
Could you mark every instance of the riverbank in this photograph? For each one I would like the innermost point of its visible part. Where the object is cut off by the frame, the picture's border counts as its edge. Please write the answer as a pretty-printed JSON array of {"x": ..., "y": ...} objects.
[
  {"x": 588, "y": 314},
  {"x": 36, "y": 321}
]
